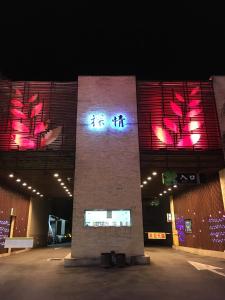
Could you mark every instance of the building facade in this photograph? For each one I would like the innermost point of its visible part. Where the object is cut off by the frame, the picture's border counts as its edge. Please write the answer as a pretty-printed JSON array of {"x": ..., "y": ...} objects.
[{"x": 112, "y": 138}]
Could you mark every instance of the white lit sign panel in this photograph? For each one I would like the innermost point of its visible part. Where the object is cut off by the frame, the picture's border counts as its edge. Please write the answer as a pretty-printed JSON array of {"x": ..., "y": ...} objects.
[
  {"x": 107, "y": 218},
  {"x": 101, "y": 121}
]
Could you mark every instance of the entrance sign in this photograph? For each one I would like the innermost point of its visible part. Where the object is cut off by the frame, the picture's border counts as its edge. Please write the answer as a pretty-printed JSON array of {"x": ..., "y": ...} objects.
[
  {"x": 192, "y": 178},
  {"x": 156, "y": 235}
]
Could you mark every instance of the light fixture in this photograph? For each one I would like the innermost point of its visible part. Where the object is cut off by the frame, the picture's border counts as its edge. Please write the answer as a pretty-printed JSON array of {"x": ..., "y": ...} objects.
[
  {"x": 59, "y": 179},
  {"x": 56, "y": 175},
  {"x": 141, "y": 185},
  {"x": 169, "y": 189},
  {"x": 11, "y": 175},
  {"x": 38, "y": 193},
  {"x": 154, "y": 173},
  {"x": 62, "y": 183},
  {"x": 34, "y": 191},
  {"x": 160, "y": 194},
  {"x": 145, "y": 182},
  {"x": 149, "y": 178},
  {"x": 41, "y": 195},
  {"x": 65, "y": 187},
  {"x": 18, "y": 180},
  {"x": 24, "y": 184},
  {"x": 175, "y": 186},
  {"x": 67, "y": 190},
  {"x": 29, "y": 187},
  {"x": 164, "y": 192}
]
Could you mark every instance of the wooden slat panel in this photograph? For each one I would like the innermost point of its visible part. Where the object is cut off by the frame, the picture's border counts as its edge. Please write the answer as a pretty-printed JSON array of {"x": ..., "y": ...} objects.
[{"x": 202, "y": 204}]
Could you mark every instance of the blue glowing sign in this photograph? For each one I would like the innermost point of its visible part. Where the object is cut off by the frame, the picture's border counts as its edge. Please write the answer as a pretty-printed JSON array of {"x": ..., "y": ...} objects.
[{"x": 99, "y": 121}]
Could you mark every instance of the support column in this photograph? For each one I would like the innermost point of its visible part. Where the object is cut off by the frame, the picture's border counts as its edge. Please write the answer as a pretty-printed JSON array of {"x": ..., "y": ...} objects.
[
  {"x": 107, "y": 171},
  {"x": 222, "y": 185},
  {"x": 174, "y": 231}
]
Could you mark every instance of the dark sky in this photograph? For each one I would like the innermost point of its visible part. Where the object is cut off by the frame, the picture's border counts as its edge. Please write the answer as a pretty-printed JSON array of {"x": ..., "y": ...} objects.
[{"x": 155, "y": 41}]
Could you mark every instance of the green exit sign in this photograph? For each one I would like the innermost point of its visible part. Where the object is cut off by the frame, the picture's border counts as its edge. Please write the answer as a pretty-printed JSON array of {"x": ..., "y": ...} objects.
[{"x": 169, "y": 177}]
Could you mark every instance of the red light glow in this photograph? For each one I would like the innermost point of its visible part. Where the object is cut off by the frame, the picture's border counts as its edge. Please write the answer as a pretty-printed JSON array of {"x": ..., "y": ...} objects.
[
  {"x": 163, "y": 135},
  {"x": 18, "y": 114},
  {"x": 18, "y": 126},
  {"x": 176, "y": 109}
]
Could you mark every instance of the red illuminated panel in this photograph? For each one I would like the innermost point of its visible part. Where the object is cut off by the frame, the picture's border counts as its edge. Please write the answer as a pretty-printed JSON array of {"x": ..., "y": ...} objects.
[
  {"x": 177, "y": 115},
  {"x": 37, "y": 115}
]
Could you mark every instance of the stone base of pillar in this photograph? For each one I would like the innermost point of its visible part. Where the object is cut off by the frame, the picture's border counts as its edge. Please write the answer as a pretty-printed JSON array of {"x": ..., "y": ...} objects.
[{"x": 96, "y": 261}]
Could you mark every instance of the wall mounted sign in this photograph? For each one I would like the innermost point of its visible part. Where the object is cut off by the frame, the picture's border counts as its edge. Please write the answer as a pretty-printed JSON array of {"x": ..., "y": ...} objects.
[
  {"x": 100, "y": 121},
  {"x": 188, "y": 226},
  {"x": 169, "y": 177},
  {"x": 4, "y": 231},
  {"x": 188, "y": 178},
  {"x": 156, "y": 235},
  {"x": 19, "y": 242}
]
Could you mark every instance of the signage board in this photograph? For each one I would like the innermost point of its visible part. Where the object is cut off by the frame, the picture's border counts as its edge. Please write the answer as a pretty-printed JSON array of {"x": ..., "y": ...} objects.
[
  {"x": 188, "y": 226},
  {"x": 187, "y": 178},
  {"x": 156, "y": 235},
  {"x": 19, "y": 242},
  {"x": 4, "y": 231}
]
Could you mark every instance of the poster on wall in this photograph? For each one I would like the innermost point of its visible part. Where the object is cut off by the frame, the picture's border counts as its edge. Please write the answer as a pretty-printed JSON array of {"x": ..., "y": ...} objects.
[
  {"x": 4, "y": 232},
  {"x": 188, "y": 226}
]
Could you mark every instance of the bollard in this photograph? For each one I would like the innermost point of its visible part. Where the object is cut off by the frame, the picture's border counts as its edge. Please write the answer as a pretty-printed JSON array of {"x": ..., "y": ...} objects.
[
  {"x": 120, "y": 260},
  {"x": 106, "y": 260}
]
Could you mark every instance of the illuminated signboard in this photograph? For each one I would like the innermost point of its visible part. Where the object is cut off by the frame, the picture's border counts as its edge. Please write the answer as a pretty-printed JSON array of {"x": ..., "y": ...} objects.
[
  {"x": 156, "y": 235},
  {"x": 107, "y": 218},
  {"x": 100, "y": 121}
]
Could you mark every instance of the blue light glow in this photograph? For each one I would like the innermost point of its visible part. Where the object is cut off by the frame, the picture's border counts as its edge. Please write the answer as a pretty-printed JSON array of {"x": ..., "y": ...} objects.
[
  {"x": 100, "y": 121},
  {"x": 118, "y": 121},
  {"x": 97, "y": 121}
]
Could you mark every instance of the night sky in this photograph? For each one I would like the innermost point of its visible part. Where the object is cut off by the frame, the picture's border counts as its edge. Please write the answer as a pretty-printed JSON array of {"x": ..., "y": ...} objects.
[{"x": 154, "y": 41}]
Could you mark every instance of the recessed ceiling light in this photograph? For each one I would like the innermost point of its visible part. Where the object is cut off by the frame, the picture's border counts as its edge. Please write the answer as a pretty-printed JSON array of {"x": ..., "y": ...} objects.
[
  {"x": 11, "y": 175},
  {"x": 29, "y": 187},
  {"x": 18, "y": 180},
  {"x": 154, "y": 173},
  {"x": 149, "y": 178},
  {"x": 38, "y": 193},
  {"x": 160, "y": 194},
  {"x": 175, "y": 186},
  {"x": 62, "y": 183},
  {"x": 24, "y": 184},
  {"x": 145, "y": 182},
  {"x": 56, "y": 175},
  {"x": 67, "y": 190},
  {"x": 65, "y": 187},
  {"x": 169, "y": 189},
  {"x": 59, "y": 179},
  {"x": 164, "y": 192},
  {"x": 41, "y": 195},
  {"x": 71, "y": 196},
  {"x": 34, "y": 191},
  {"x": 141, "y": 185}
]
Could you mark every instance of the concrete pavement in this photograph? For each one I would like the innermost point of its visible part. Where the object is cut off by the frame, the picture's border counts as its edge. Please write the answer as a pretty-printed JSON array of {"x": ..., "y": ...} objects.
[{"x": 40, "y": 274}]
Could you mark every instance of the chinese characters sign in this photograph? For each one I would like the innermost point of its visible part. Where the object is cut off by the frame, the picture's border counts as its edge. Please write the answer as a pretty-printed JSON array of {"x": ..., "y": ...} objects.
[
  {"x": 156, "y": 235},
  {"x": 98, "y": 121}
]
